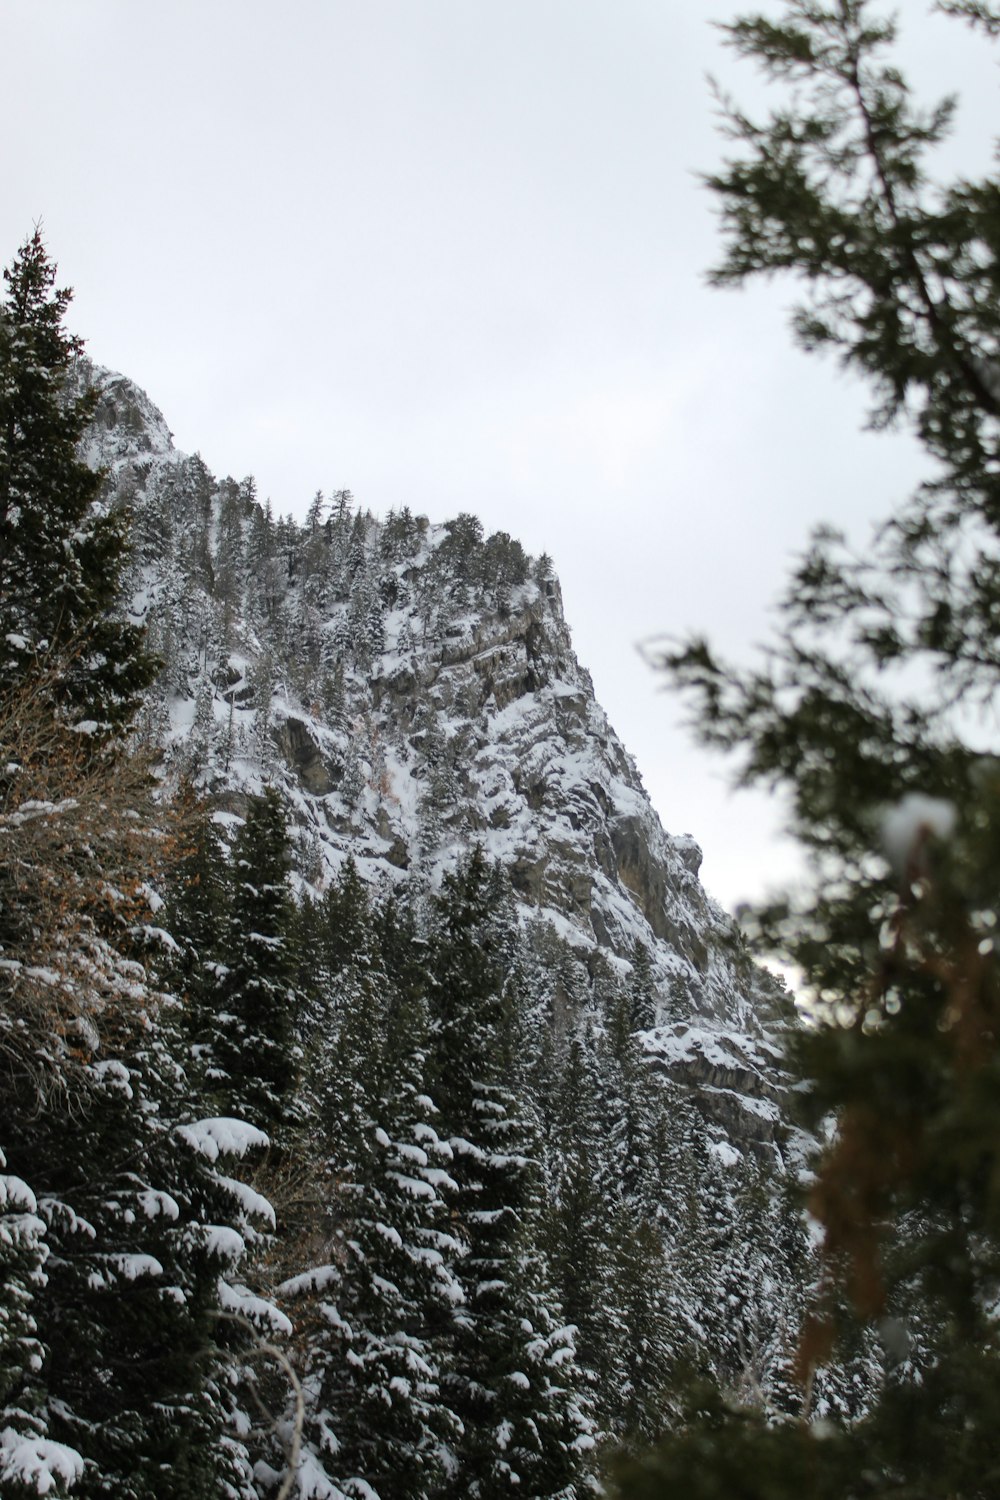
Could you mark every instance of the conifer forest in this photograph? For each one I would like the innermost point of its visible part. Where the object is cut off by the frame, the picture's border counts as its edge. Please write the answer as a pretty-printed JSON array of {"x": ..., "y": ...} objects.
[{"x": 387, "y": 1112}]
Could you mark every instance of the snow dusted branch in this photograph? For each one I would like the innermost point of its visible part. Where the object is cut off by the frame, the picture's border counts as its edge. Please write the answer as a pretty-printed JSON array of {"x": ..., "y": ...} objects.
[
  {"x": 292, "y": 1446},
  {"x": 81, "y": 848}
]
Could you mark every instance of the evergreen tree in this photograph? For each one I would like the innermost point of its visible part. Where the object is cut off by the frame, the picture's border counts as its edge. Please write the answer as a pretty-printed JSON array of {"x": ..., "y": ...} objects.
[
  {"x": 23, "y": 1254},
  {"x": 643, "y": 1007},
  {"x": 584, "y": 1202},
  {"x": 203, "y": 734},
  {"x": 197, "y": 491},
  {"x": 230, "y": 559},
  {"x": 199, "y": 919},
  {"x": 111, "y": 1233},
  {"x": 644, "y": 1355},
  {"x": 511, "y": 1373},
  {"x": 376, "y": 1417},
  {"x": 61, "y": 553},
  {"x": 854, "y": 713},
  {"x": 138, "y": 1231},
  {"x": 265, "y": 682},
  {"x": 119, "y": 1240},
  {"x": 346, "y": 918},
  {"x": 613, "y": 1258},
  {"x": 257, "y": 1004},
  {"x": 264, "y": 582}
]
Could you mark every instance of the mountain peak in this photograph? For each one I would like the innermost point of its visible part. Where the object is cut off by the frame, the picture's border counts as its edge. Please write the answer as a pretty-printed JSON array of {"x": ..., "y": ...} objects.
[{"x": 412, "y": 690}]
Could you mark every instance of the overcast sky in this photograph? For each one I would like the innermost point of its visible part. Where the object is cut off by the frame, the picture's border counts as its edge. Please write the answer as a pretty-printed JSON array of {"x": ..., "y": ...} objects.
[{"x": 451, "y": 254}]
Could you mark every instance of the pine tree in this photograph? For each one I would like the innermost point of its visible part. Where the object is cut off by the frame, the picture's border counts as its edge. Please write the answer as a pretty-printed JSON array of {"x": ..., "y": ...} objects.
[
  {"x": 643, "y": 1008},
  {"x": 511, "y": 1374},
  {"x": 197, "y": 491},
  {"x": 854, "y": 714},
  {"x": 230, "y": 558},
  {"x": 264, "y": 583},
  {"x": 198, "y": 917},
  {"x": 584, "y": 1203},
  {"x": 109, "y": 1253},
  {"x": 257, "y": 1003},
  {"x": 610, "y": 1196},
  {"x": 138, "y": 1231},
  {"x": 203, "y": 727},
  {"x": 643, "y": 1366},
  {"x": 120, "y": 1243},
  {"x": 375, "y": 1417},
  {"x": 61, "y": 552},
  {"x": 23, "y": 1254}
]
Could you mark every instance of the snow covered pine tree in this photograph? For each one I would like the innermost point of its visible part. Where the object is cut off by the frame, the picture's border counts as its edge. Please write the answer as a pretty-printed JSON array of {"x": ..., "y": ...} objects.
[{"x": 118, "y": 1237}]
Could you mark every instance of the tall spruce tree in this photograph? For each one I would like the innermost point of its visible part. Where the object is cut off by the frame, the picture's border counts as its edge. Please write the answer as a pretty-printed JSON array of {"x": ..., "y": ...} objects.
[
  {"x": 61, "y": 551},
  {"x": 376, "y": 1420},
  {"x": 198, "y": 917},
  {"x": 75, "y": 1000},
  {"x": 258, "y": 1005},
  {"x": 855, "y": 713},
  {"x": 511, "y": 1373},
  {"x": 113, "y": 1236}
]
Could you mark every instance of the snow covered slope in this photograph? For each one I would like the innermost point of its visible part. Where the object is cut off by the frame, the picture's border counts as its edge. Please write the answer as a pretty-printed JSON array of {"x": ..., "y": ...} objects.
[{"x": 412, "y": 688}]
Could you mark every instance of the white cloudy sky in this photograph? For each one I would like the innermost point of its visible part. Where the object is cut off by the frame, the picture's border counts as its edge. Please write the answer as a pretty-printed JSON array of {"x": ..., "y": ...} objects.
[{"x": 451, "y": 254}]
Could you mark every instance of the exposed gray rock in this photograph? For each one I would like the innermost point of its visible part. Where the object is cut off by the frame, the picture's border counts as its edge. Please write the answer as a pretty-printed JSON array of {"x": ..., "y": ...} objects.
[
  {"x": 416, "y": 705},
  {"x": 302, "y": 753}
]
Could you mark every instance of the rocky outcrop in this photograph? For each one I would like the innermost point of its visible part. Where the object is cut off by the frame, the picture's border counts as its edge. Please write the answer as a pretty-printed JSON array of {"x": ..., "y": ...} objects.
[
  {"x": 414, "y": 688},
  {"x": 304, "y": 757},
  {"x": 739, "y": 1082}
]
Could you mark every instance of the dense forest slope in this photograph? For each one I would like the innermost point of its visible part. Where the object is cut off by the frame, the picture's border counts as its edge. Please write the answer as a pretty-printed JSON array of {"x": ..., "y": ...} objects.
[
  {"x": 422, "y": 932},
  {"x": 412, "y": 689}
]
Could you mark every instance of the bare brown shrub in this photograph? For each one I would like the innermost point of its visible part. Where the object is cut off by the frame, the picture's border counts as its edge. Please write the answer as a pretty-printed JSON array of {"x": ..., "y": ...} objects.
[{"x": 82, "y": 845}]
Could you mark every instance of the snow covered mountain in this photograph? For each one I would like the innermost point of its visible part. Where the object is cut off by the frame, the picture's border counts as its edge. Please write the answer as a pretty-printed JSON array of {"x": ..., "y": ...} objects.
[
  {"x": 411, "y": 691},
  {"x": 412, "y": 688}
]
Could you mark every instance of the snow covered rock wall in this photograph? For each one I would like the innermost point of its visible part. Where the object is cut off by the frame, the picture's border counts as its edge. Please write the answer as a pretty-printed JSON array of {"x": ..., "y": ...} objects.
[{"x": 412, "y": 688}]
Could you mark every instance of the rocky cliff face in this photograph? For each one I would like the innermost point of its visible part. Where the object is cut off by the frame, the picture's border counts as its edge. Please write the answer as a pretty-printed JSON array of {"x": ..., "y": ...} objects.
[{"x": 413, "y": 688}]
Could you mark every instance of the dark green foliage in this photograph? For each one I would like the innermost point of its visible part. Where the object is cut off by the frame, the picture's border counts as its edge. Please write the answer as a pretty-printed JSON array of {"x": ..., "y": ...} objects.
[
  {"x": 467, "y": 1161},
  {"x": 465, "y": 562},
  {"x": 346, "y": 919},
  {"x": 648, "y": 1306},
  {"x": 230, "y": 559},
  {"x": 132, "y": 1216},
  {"x": 723, "y": 1454},
  {"x": 61, "y": 554},
  {"x": 199, "y": 919},
  {"x": 385, "y": 1284},
  {"x": 642, "y": 1012},
  {"x": 854, "y": 714},
  {"x": 465, "y": 536},
  {"x": 923, "y": 1443},
  {"x": 401, "y": 534},
  {"x": 109, "y": 1222},
  {"x": 22, "y": 1276},
  {"x": 584, "y": 1198},
  {"x": 511, "y": 1373},
  {"x": 113, "y": 1231},
  {"x": 256, "y": 1001}
]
